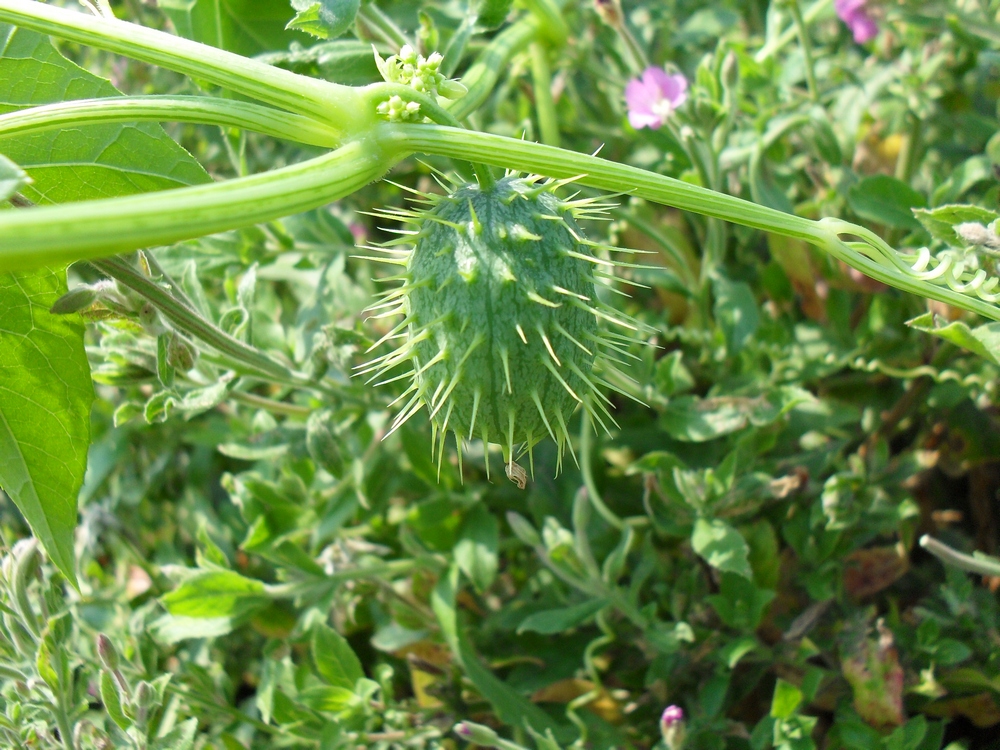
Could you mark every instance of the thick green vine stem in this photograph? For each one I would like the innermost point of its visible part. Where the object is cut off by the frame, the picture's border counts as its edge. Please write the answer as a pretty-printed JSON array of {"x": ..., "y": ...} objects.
[
  {"x": 49, "y": 235},
  {"x": 199, "y": 109},
  {"x": 341, "y": 107},
  {"x": 957, "y": 285}
]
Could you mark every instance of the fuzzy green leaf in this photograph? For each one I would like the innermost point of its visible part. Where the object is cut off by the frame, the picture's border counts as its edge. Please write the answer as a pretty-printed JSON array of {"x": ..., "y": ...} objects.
[
  {"x": 721, "y": 546},
  {"x": 216, "y": 593},
  {"x": 941, "y": 221},
  {"x": 983, "y": 340},
  {"x": 45, "y": 399},
  {"x": 552, "y": 621},
  {"x": 112, "y": 702},
  {"x": 335, "y": 661},
  {"x": 326, "y": 19}
]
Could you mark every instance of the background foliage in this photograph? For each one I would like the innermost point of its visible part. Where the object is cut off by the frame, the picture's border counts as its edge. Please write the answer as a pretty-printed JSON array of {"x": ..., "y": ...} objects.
[{"x": 265, "y": 568}]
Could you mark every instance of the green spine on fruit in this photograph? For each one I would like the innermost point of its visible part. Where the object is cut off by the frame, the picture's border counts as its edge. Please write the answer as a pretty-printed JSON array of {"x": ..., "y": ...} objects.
[{"x": 504, "y": 332}]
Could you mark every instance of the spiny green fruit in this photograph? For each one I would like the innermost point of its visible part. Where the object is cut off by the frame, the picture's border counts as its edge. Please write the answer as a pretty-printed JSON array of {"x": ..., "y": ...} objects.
[{"x": 502, "y": 321}]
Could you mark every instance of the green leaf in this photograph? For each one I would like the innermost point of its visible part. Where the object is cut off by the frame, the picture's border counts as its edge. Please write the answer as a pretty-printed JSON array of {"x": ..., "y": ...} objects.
[
  {"x": 696, "y": 420},
  {"x": 476, "y": 550},
  {"x": 170, "y": 629},
  {"x": 941, "y": 221},
  {"x": 326, "y": 19},
  {"x": 335, "y": 661},
  {"x": 492, "y": 13},
  {"x": 786, "y": 699},
  {"x": 246, "y": 27},
  {"x": 181, "y": 737},
  {"x": 735, "y": 311},
  {"x": 671, "y": 376},
  {"x": 983, "y": 340},
  {"x": 112, "y": 702},
  {"x": 962, "y": 178},
  {"x": 45, "y": 399},
  {"x": 329, "y": 698},
  {"x": 886, "y": 200},
  {"x": 215, "y": 593},
  {"x": 99, "y": 161},
  {"x": 553, "y": 621},
  {"x": 721, "y": 546},
  {"x": 12, "y": 178}
]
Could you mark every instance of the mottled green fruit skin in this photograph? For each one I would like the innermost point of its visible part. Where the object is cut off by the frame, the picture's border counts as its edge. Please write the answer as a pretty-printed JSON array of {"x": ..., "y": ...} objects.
[{"x": 485, "y": 263}]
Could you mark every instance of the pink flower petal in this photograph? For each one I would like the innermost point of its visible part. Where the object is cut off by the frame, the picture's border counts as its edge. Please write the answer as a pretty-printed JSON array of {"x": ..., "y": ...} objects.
[
  {"x": 638, "y": 97},
  {"x": 847, "y": 8},
  {"x": 639, "y": 120},
  {"x": 863, "y": 27}
]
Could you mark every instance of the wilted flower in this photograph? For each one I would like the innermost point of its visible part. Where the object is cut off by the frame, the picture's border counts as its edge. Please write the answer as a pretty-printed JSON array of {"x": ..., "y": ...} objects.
[
  {"x": 855, "y": 15},
  {"x": 672, "y": 727},
  {"x": 653, "y": 98}
]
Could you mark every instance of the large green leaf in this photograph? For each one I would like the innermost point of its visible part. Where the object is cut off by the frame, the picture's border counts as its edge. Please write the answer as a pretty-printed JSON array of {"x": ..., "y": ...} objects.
[
  {"x": 97, "y": 161},
  {"x": 246, "y": 27},
  {"x": 886, "y": 200},
  {"x": 45, "y": 399}
]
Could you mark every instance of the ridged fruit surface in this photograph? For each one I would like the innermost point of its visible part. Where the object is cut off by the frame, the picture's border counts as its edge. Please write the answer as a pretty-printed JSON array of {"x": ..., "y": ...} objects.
[
  {"x": 498, "y": 313},
  {"x": 502, "y": 321}
]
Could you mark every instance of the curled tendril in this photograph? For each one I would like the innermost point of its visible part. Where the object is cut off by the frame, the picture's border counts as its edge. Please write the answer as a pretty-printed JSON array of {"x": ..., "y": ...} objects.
[{"x": 954, "y": 276}]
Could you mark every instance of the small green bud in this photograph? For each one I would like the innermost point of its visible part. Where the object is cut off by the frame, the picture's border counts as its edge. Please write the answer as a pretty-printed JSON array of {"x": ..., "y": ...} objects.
[
  {"x": 610, "y": 11},
  {"x": 730, "y": 73},
  {"x": 74, "y": 301},
  {"x": 452, "y": 89},
  {"x": 145, "y": 699},
  {"x": 558, "y": 540},
  {"x": 476, "y": 733},
  {"x": 107, "y": 652},
  {"x": 181, "y": 355}
]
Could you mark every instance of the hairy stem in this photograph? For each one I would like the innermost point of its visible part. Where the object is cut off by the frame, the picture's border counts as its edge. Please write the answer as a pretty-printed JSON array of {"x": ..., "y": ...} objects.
[
  {"x": 189, "y": 321},
  {"x": 197, "y": 109}
]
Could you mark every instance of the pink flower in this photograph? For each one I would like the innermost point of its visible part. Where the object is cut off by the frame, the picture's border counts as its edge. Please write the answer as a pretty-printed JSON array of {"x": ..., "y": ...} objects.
[
  {"x": 653, "y": 98},
  {"x": 855, "y": 15},
  {"x": 672, "y": 727},
  {"x": 672, "y": 715}
]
